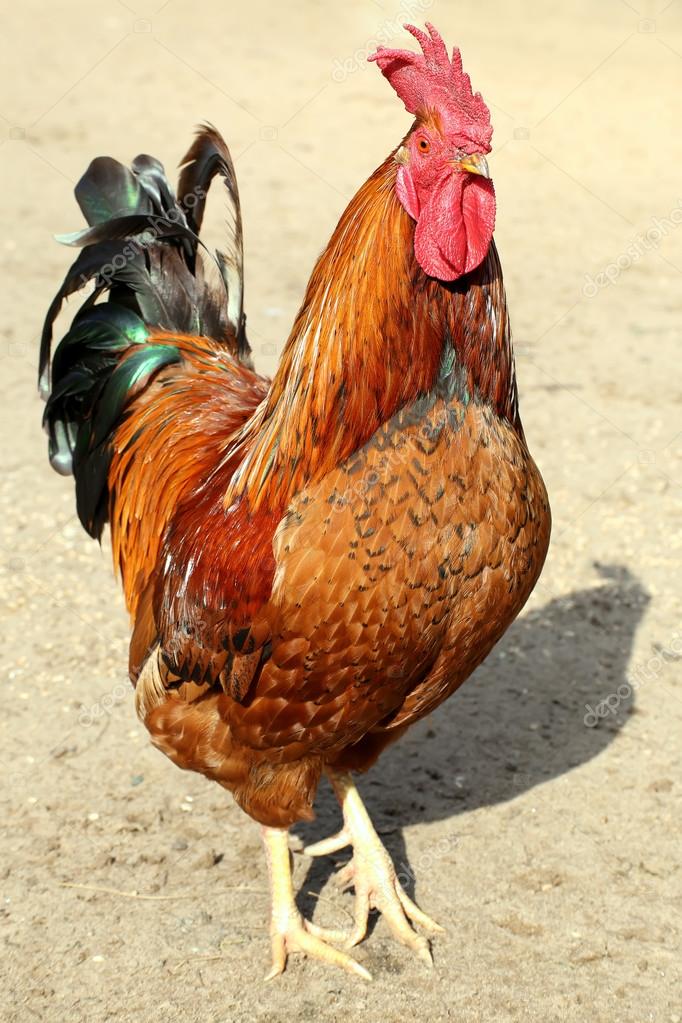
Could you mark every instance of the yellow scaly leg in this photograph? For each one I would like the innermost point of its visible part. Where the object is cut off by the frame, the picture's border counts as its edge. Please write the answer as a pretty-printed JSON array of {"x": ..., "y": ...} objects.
[
  {"x": 289, "y": 932},
  {"x": 372, "y": 874}
]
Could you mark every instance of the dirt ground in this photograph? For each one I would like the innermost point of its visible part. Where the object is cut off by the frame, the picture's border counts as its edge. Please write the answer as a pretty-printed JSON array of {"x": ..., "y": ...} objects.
[{"x": 539, "y": 810}]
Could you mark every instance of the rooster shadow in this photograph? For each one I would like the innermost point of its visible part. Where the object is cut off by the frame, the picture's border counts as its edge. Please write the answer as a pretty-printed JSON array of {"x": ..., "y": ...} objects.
[{"x": 551, "y": 696}]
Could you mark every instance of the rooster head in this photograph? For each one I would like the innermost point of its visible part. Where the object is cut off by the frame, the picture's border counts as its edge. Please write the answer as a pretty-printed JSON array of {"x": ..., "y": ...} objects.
[{"x": 442, "y": 179}]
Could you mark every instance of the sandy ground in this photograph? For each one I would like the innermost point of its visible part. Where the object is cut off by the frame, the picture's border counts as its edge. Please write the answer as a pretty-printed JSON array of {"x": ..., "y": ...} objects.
[{"x": 540, "y": 809}]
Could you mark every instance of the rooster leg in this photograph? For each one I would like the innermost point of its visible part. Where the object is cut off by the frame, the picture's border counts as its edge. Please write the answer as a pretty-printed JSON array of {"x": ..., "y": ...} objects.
[
  {"x": 289, "y": 932},
  {"x": 372, "y": 874}
]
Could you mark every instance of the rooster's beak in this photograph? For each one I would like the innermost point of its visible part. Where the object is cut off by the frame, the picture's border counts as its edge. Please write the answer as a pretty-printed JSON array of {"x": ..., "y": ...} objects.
[{"x": 474, "y": 164}]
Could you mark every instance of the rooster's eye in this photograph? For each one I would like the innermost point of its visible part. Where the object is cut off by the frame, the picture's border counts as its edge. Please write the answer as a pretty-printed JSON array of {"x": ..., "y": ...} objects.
[{"x": 424, "y": 145}]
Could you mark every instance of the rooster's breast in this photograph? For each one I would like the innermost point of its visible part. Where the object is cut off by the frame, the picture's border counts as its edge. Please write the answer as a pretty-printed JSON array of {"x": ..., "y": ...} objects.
[{"x": 396, "y": 574}]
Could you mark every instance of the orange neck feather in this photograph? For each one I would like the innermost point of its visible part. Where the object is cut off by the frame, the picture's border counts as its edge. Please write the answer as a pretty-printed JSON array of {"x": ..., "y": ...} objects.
[{"x": 368, "y": 340}]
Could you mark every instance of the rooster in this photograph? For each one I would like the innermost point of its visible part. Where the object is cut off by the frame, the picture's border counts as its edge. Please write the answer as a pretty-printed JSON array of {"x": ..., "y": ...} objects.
[{"x": 313, "y": 563}]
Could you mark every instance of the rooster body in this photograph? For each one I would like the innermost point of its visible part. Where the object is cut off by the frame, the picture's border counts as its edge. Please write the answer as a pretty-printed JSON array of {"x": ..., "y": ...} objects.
[{"x": 312, "y": 564}]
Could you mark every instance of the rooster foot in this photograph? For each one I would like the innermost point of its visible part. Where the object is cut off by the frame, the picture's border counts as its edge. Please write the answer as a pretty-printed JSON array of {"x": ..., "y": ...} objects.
[
  {"x": 289, "y": 932},
  {"x": 372, "y": 874}
]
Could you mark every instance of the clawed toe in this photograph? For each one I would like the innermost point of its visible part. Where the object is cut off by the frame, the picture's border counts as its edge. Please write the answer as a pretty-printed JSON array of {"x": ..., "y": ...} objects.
[
  {"x": 300, "y": 935},
  {"x": 377, "y": 887},
  {"x": 328, "y": 845}
]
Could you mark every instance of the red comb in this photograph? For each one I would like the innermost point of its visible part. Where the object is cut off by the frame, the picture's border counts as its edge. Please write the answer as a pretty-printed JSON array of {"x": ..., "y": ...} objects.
[{"x": 431, "y": 81}]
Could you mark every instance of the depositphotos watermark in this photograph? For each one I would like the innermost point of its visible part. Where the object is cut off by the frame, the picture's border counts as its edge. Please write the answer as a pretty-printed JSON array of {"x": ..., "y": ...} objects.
[
  {"x": 392, "y": 27},
  {"x": 89, "y": 715},
  {"x": 660, "y": 228},
  {"x": 426, "y": 861},
  {"x": 645, "y": 671}
]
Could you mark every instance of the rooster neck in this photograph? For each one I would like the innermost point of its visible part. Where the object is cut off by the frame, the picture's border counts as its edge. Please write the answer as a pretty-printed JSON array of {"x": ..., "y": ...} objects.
[{"x": 370, "y": 338}]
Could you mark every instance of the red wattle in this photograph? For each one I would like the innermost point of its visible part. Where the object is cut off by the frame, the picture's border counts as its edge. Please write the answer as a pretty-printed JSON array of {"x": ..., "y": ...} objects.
[{"x": 455, "y": 224}]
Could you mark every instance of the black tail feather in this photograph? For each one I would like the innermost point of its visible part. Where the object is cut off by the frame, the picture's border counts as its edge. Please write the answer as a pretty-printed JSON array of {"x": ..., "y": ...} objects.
[
  {"x": 142, "y": 246},
  {"x": 207, "y": 157},
  {"x": 141, "y": 251}
]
